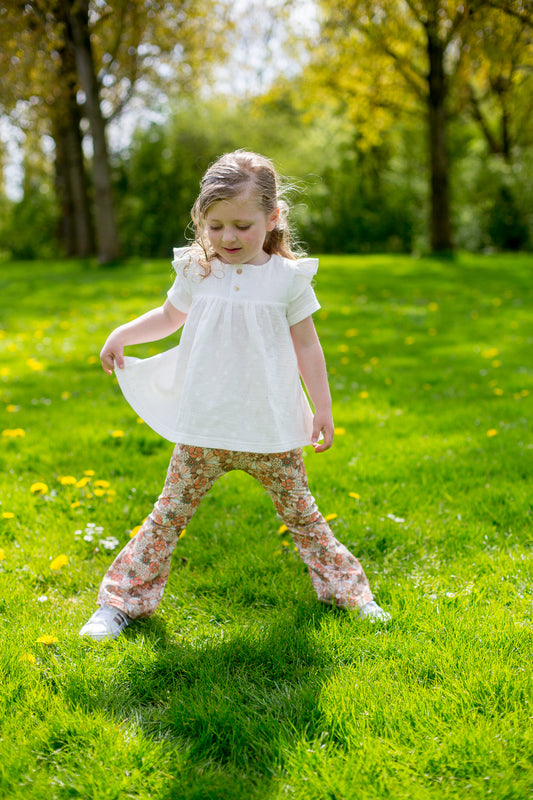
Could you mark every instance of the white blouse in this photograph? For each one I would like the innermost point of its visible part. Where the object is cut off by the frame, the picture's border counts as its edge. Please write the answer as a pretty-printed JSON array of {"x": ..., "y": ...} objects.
[{"x": 232, "y": 382}]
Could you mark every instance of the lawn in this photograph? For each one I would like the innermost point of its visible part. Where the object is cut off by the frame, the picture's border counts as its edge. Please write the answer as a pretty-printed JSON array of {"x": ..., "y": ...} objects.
[{"x": 242, "y": 687}]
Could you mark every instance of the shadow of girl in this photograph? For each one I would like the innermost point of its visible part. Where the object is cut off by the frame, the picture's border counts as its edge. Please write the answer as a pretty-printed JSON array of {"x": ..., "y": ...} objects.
[{"x": 234, "y": 707}]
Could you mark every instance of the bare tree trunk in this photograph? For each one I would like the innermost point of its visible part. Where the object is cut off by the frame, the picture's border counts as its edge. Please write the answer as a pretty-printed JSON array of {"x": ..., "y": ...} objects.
[
  {"x": 71, "y": 180},
  {"x": 71, "y": 185},
  {"x": 106, "y": 230},
  {"x": 440, "y": 224}
]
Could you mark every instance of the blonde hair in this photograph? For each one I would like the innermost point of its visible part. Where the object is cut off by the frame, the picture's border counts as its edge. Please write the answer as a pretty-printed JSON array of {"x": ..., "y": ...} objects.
[{"x": 231, "y": 174}]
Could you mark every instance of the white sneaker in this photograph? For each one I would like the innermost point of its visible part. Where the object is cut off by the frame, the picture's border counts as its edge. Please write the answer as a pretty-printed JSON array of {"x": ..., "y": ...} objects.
[
  {"x": 106, "y": 623},
  {"x": 373, "y": 612}
]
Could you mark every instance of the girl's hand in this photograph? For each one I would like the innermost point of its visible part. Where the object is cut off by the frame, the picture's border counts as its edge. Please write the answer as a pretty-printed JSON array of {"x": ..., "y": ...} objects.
[
  {"x": 322, "y": 423},
  {"x": 112, "y": 353}
]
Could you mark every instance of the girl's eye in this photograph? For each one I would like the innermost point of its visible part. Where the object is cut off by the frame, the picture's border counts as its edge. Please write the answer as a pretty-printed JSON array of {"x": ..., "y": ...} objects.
[{"x": 243, "y": 227}]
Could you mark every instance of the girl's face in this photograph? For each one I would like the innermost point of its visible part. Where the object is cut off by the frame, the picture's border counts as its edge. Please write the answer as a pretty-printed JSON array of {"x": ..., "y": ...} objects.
[{"x": 237, "y": 229}]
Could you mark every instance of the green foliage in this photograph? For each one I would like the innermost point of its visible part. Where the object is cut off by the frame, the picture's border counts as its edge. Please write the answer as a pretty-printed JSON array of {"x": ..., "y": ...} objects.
[
  {"x": 242, "y": 686},
  {"x": 346, "y": 196},
  {"x": 28, "y": 231}
]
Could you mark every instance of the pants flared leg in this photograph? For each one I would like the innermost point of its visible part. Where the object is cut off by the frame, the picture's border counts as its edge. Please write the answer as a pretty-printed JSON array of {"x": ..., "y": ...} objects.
[
  {"x": 136, "y": 580},
  {"x": 337, "y": 576}
]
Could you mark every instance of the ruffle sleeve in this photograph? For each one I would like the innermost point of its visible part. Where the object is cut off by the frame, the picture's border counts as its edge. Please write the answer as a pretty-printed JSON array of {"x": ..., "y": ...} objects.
[
  {"x": 179, "y": 293},
  {"x": 302, "y": 299}
]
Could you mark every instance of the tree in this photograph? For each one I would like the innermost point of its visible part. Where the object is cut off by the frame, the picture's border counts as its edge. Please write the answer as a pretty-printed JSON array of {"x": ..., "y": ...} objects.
[
  {"x": 390, "y": 57},
  {"x": 115, "y": 46},
  {"x": 497, "y": 84}
]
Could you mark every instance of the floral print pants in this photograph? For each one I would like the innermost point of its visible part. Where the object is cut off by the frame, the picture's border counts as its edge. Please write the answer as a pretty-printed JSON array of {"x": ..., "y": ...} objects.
[{"x": 136, "y": 580}]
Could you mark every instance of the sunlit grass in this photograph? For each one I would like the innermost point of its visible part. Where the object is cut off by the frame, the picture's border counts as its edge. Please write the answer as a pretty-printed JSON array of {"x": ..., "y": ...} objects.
[{"x": 242, "y": 686}]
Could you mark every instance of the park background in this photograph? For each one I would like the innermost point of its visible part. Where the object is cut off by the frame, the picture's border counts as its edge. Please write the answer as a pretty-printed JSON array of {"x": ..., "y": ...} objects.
[
  {"x": 402, "y": 126},
  {"x": 404, "y": 131}
]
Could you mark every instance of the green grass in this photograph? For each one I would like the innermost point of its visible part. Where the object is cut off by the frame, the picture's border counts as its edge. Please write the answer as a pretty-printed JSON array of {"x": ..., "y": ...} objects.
[{"x": 242, "y": 686}]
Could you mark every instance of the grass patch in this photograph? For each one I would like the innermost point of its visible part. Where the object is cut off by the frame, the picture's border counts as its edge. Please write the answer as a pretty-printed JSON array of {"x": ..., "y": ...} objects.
[{"x": 242, "y": 685}]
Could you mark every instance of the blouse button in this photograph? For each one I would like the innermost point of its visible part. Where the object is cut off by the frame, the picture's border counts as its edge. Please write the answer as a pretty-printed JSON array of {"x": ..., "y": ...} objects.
[
  {"x": 237, "y": 288},
  {"x": 239, "y": 271}
]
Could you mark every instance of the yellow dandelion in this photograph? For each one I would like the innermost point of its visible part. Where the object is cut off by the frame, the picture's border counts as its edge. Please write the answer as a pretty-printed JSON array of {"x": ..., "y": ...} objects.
[
  {"x": 330, "y": 517},
  {"x": 67, "y": 480},
  {"x": 492, "y": 352},
  {"x": 59, "y": 562},
  {"x": 7, "y": 515},
  {"x": 492, "y": 432},
  {"x": 363, "y": 395},
  {"x": 524, "y": 393},
  {"x": 28, "y": 658},
  {"x": 65, "y": 395},
  {"x": 2, "y": 554},
  {"x": 47, "y": 639},
  {"x": 135, "y": 531},
  {"x": 433, "y": 307},
  {"x": 498, "y": 392},
  {"x": 496, "y": 363},
  {"x": 182, "y": 534},
  {"x": 117, "y": 434},
  {"x": 11, "y": 409},
  {"x": 409, "y": 340},
  {"x": 340, "y": 431},
  {"x": 99, "y": 492},
  {"x": 282, "y": 529},
  {"x": 76, "y": 504},
  {"x": 34, "y": 364},
  {"x": 374, "y": 360},
  {"x": 92, "y": 360},
  {"x": 38, "y": 488},
  {"x": 344, "y": 348},
  {"x": 285, "y": 543},
  {"x": 140, "y": 421},
  {"x": 89, "y": 472},
  {"x": 5, "y": 372},
  {"x": 351, "y": 332},
  {"x": 82, "y": 482},
  {"x": 355, "y": 495},
  {"x": 102, "y": 484},
  {"x": 14, "y": 433}
]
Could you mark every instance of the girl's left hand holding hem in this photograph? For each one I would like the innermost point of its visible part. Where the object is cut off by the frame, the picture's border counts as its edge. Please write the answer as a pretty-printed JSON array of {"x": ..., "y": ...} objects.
[{"x": 322, "y": 423}]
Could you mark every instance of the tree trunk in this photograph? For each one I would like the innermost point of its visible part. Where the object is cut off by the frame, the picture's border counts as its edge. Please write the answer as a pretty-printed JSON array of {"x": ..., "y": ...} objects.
[
  {"x": 440, "y": 225},
  {"x": 106, "y": 231},
  {"x": 71, "y": 185},
  {"x": 76, "y": 231}
]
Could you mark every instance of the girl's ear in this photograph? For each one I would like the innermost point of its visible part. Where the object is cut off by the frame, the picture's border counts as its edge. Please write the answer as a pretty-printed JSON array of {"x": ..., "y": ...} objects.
[{"x": 272, "y": 220}]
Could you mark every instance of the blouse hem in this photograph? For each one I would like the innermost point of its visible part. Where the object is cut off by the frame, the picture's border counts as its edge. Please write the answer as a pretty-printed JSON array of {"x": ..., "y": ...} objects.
[{"x": 237, "y": 447}]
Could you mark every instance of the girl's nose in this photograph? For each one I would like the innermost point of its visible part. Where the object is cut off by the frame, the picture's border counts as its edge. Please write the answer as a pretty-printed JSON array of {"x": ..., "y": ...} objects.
[{"x": 228, "y": 235}]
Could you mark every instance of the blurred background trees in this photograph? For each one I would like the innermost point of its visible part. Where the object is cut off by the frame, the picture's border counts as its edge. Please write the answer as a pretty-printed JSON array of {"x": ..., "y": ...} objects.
[{"x": 402, "y": 125}]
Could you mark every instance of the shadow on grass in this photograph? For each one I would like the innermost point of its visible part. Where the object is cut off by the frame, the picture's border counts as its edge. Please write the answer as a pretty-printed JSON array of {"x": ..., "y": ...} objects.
[{"x": 230, "y": 709}]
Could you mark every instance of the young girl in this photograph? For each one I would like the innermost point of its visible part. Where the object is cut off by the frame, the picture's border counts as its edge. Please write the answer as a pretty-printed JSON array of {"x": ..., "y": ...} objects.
[{"x": 230, "y": 394}]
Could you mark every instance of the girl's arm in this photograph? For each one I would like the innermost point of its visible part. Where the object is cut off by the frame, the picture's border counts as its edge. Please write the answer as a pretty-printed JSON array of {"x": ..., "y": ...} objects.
[
  {"x": 312, "y": 366},
  {"x": 155, "y": 324}
]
